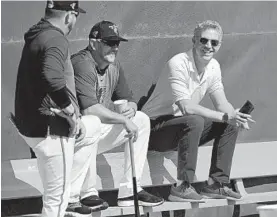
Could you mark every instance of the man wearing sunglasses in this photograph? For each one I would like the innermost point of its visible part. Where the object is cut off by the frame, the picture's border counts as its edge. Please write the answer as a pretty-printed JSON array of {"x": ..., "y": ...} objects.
[
  {"x": 179, "y": 122},
  {"x": 99, "y": 78}
]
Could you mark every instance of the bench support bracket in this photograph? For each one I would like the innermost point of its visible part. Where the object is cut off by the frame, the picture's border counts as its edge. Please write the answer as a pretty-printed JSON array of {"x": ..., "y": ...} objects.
[{"x": 240, "y": 187}]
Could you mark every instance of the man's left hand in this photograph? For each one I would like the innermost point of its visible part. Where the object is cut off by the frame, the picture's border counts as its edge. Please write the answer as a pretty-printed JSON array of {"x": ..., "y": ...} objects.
[
  {"x": 129, "y": 112},
  {"x": 82, "y": 131},
  {"x": 245, "y": 125}
]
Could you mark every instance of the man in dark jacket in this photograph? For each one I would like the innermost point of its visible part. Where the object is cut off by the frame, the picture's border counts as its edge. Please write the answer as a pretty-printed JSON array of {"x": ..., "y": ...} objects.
[{"x": 47, "y": 113}]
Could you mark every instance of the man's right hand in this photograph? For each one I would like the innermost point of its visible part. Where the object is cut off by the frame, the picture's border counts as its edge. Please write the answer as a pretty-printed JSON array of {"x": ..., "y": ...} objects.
[{"x": 131, "y": 129}]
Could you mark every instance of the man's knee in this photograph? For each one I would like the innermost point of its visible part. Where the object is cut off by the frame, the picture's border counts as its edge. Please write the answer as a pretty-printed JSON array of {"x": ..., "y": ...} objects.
[
  {"x": 92, "y": 124},
  {"x": 232, "y": 129},
  {"x": 195, "y": 122},
  {"x": 142, "y": 120}
]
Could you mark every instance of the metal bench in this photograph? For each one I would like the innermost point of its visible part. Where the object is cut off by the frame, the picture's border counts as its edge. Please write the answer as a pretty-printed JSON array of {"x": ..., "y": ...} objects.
[{"x": 20, "y": 178}]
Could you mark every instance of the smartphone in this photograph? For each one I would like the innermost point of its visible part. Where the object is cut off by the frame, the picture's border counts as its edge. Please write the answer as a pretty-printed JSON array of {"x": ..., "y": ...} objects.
[{"x": 247, "y": 108}]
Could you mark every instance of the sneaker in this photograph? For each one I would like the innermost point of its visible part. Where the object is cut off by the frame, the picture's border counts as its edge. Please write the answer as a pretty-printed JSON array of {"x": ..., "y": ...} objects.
[
  {"x": 220, "y": 191},
  {"x": 144, "y": 199},
  {"x": 77, "y": 208},
  {"x": 95, "y": 203},
  {"x": 184, "y": 193}
]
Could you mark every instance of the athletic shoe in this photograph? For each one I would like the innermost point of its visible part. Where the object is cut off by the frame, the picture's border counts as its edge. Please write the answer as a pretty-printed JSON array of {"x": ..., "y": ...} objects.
[
  {"x": 184, "y": 193},
  {"x": 220, "y": 191},
  {"x": 73, "y": 209},
  {"x": 144, "y": 199},
  {"x": 95, "y": 203}
]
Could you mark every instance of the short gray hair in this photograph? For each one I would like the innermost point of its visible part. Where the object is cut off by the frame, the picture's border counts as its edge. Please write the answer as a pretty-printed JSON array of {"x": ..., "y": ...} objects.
[
  {"x": 53, "y": 13},
  {"x": 207, "y": 24}
]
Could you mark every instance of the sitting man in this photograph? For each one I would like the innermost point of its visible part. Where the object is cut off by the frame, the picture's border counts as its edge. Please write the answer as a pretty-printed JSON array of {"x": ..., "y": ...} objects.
[
  {"x": 98, "y": 77},
  {"x": 177, "y": 119}
]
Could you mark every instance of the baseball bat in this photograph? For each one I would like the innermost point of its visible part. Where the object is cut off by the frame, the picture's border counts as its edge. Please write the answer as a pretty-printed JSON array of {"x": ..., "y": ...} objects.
[{"x": 137, "y": 214}]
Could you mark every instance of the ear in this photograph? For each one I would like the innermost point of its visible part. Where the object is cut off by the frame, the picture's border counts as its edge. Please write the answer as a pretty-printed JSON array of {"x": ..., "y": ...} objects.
[
  {"x": 93, "y": 43},
  {"x": 193, "y": 39}
]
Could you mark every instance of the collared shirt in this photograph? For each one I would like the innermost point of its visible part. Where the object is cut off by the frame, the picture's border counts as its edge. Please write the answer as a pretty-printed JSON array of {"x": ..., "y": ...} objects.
[{"x": 180, "y": 81}]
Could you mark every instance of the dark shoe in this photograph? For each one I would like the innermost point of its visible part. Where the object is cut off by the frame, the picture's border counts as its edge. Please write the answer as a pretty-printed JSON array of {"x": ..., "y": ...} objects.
[
  {"x": 220, "y": 191},
  {"x": 77, "y": 208},
  {"x": 184, "y": 192},
  {"x": 95, "y": 203},
  {"x": 144, "y": 199}
]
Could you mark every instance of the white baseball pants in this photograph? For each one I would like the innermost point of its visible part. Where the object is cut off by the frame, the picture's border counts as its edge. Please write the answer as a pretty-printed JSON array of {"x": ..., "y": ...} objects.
[
  {"x": 112, "y": 135},
  {"x": 63, "y": 165}
]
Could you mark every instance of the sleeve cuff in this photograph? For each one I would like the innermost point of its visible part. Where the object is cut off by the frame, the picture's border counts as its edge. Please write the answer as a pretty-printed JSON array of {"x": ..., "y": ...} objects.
[
  {"x": 182, "y": 98},
  {"x": 61, "y": 98}
]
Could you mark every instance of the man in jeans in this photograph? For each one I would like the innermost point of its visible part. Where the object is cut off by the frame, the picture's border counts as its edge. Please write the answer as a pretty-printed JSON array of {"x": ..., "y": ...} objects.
[
  {"x": 47, "y": 114},
  {"x": 177, "y": 119},
  {"x": 98, "y": 77}
]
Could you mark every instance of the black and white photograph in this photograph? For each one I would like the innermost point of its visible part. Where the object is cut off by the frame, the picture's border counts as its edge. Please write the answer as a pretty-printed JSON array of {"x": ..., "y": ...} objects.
[{"x": 138, "y": 108}]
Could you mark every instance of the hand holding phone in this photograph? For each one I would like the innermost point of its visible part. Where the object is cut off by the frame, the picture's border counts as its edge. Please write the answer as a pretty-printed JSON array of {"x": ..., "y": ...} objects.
[{"x": 247, "y": 108}]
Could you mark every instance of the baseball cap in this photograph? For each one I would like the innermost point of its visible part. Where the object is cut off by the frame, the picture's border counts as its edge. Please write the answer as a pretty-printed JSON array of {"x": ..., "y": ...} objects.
[
  {"x": 105, "y": 30},
  {"x": 64, "y": 6}
]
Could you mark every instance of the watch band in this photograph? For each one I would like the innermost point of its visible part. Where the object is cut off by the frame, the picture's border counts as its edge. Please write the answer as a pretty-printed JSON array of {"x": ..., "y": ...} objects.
[
  {"x": 69, "y": 114},
  {"x": 225, "y": 118}
]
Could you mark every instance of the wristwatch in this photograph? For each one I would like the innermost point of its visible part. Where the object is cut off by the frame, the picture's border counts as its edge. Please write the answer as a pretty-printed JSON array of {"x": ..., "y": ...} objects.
[
  {"x": 225, "y": 118},
  {"x": 69, "y": 114}
]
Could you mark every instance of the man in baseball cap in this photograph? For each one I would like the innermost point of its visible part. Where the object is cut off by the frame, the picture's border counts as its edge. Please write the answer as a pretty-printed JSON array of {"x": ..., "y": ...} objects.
[
  {"x": 105, "y": 30},
  {"x": 98, "y": 77},
  {"x": 65, "y": 6},
  {"x": 47, "y": 114}
]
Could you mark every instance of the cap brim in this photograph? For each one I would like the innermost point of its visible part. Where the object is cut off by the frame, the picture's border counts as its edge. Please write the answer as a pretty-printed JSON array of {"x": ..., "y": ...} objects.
[
  {"x": 80, "y": 10},
  {"x": 123, "y": 39},
  {"x": 115, "y": 38}
]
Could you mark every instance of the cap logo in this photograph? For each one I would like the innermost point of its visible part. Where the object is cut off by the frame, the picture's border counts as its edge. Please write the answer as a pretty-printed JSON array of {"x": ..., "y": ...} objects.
[
  {"x": 73, "y": 5},
  {"x": 114, "y": 28},
  {"x": 95, "y": 34},
  {"x": 50, "y": 4}
]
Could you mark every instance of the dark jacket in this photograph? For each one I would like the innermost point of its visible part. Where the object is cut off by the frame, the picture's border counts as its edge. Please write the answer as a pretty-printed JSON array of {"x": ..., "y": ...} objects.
[{"x": 45, "y": 74}]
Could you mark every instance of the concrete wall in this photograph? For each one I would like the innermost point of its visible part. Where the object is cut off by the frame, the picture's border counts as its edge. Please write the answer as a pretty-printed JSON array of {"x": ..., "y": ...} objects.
[{"x": 157, "y": 31}]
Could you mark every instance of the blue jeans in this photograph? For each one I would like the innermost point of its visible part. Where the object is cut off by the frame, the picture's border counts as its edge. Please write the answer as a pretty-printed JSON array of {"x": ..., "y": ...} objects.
[{"x": 185, "y": 134}]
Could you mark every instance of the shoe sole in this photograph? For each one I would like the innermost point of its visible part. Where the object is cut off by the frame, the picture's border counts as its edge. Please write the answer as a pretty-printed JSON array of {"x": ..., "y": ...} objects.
[
  {"x": 217, "y": 196},
  {"x": 92, "y": 209},
  {"x": 233, "y": 198},
  {"x": 75, "y": 214},
  {"x": 180, "y": 199},
  {"x": 100, "y": 207},
  {"x": 140, "y": 203}
]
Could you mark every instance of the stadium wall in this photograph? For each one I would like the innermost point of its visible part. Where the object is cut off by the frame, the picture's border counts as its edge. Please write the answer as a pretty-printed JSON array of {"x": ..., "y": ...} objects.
[{"x": 157, "y": 31}]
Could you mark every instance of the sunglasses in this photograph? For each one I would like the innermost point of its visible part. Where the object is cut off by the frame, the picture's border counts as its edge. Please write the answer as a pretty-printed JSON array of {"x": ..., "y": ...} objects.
[
  {"x": 204, "y": 41},
  {"x": 76, "y": 13},
  {"x": 111, "y": 43}
]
